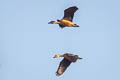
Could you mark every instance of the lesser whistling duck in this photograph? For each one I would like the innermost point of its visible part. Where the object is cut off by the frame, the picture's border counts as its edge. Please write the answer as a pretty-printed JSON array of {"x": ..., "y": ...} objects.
[
  {"x": 67, "y": 19},
  {"x": 68, "y": 59}
]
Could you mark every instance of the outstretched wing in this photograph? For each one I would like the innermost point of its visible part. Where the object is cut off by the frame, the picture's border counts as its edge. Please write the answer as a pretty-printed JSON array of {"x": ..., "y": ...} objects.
[
  {"x": 69, "y": 13},
  {"x": 62, "y": 66}
]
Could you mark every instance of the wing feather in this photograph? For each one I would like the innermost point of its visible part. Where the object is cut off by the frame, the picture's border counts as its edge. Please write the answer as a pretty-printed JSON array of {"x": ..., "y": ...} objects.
[
  {"x": 69, "y": 13},
  {"x": 63, "y": 66}
]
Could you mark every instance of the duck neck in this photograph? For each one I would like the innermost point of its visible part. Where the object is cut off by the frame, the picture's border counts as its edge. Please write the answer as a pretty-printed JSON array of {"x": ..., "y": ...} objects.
[{"x": 61, "y": 55}]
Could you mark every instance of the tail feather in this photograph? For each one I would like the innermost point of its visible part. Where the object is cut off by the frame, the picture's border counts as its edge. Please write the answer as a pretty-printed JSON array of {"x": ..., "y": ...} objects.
[
  {"x": 80, "y": 58},
  {"x": 75, "y": 25}
]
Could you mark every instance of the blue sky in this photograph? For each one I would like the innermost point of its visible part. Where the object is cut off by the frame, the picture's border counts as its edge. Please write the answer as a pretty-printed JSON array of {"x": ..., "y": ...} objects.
[{"x": 28, "y": 42}]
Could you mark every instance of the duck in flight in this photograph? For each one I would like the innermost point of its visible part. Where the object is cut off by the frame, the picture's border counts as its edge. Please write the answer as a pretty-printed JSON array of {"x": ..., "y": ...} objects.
[
  {"x": 68, "y": 59},
  {"x": 66, "y": 21}
]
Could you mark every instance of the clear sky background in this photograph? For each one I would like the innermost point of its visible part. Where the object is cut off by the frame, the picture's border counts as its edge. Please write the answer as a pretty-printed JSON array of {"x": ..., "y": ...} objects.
[{"x": 28, "y": 42}]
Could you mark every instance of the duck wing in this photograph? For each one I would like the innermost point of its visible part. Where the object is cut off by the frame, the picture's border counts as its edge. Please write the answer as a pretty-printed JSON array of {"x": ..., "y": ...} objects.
[
  {"x": 63, "y": 66},
  {"x": 62, "y": 26},
  {"x": 69, "y": 13}
]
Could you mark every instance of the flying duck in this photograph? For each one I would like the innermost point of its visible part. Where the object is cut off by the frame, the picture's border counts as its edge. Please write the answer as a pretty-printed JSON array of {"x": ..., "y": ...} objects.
[
  {"x": 66, "y": 21},
  {"x": 68, "y": 59}
]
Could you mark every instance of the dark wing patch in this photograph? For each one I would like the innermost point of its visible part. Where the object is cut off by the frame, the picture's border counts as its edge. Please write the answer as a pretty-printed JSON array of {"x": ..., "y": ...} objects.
[
  {"x": 62, "y": 26},
  {"x": 69, "y": 13},
  {"x": 62, "y": 66}
]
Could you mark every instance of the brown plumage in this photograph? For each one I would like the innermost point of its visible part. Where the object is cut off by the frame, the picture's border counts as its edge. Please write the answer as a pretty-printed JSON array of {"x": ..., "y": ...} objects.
[
  {"x": 66, "y": 21},
  {"x": 69, "y": 13},
  {"x": 68, "y": 59}
]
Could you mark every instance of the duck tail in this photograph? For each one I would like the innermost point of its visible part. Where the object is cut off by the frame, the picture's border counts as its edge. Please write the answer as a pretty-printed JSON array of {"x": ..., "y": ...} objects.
[{"x": 80, "y": 58}]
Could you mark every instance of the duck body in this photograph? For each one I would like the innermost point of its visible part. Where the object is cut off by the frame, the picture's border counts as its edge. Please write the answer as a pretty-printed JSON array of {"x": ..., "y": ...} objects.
[
  {"x": 68, "y": 59},
  {"x": 71, "y": 57},
  {"x": 66, "y": 21}
]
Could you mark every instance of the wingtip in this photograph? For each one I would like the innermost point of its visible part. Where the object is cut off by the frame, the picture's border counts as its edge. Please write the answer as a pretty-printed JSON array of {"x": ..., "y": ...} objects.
[
  {"x": 57, "y": 74},
  {"x": 76, "y": 7}
]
